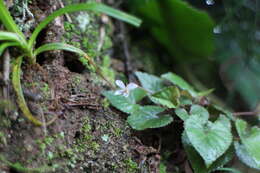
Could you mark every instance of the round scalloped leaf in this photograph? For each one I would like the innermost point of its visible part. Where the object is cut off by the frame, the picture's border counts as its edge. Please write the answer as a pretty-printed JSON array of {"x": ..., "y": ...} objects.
[
  {"x": 196, "y": 160},
  {"x": 250, "y": 137},
  {"x": 180, "y": 82},
  {"x": 124, "y": 104},
  {"x": 199, "y": 110},
  {"x": 211, "y": 140},
  {"x": 168, "y": 97},
  {"x": 150, "y": 82},
  {"x": 244, "y": 156},
  {"x": 147, "y": 117},
  {"x": 182, "y": 113}
]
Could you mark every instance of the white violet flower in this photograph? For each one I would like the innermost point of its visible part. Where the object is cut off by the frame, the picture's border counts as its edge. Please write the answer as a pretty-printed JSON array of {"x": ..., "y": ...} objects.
[{"x": 124, "y": 90}]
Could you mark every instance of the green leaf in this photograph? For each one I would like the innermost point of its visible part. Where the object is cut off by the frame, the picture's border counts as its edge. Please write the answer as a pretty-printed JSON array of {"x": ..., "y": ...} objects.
[
  {"x": 250, "y": 137},
  {"x": 191, "y": 29},
  {"x": 228, "y": 170},
  {"x": 168, "y": 97},
  {"x": 183, "y": 30},
  {"x": 10, "y": 36},
  {"x": 124, "y": 104},
  {"x": 16, "y": 80},
  {"x": 96, "y": 7},
  {"x": 137, "y": 94},
  {"x": 196, "y": 160},
  {"x": 3, "y": 46},
  {"x": 146, "y": 117},
  {"x": 58, "y": 46},
  {"x": 150, "y": 82},
  {"x": 244, "y": 156},
  {"x": 182, "y": 113},
  {"x": 201, "y": 111},
  {"x": 162, "y": 168},
  {"x": 8, "y": 21},
  {"x": 180, "y": 82},
  {"x": 195, "y": 110},
  {"x": 211, "y": 140},
  {"x": 205, "y": 93}
]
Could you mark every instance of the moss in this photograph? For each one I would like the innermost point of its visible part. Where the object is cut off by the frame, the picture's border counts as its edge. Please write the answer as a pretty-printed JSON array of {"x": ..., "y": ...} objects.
[
  {"x": 106, "y": 70},
  {"x": 45, "y": 89},
  {"x": 77, "y": 79},
  {"x": 105, "y": 103},
  {"x": 2, "y": 138},
  {"x": 118, "y": 132},
  {"x": 131, "y": 166}
]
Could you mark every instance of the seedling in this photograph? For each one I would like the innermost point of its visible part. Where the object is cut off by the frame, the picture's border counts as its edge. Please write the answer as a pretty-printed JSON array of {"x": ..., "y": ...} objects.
[{"x": 13, "y": 37}]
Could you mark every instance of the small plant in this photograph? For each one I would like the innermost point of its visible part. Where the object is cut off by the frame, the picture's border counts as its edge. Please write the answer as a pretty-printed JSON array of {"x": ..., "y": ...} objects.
[
  {"x": 13, "y": 37},
  {"x": 207, "y": 137}
]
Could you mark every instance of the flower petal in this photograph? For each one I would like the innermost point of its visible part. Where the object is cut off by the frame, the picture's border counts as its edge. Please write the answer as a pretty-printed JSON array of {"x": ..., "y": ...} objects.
[
  {"x": 131, "y": 86},
  {"x": 120, "y": 84},
  {"x": 119, "y": 92},
  {"x": 126, "y": 94}
]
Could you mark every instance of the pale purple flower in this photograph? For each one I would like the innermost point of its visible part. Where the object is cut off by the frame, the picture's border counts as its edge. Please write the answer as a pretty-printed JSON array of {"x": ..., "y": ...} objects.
[{"x": 124, "y": 90}]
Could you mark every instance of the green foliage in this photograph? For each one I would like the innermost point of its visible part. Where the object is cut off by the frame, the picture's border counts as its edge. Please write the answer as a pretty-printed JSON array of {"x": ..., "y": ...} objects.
[
  {"x": 244, "y": 156},
  {"x": 14, "y": 37},
  {"x": 168, "y": 97},
  {"x": 207, "y": 136},
  {"x": 147, "y": 117},
  {"x": 180, "y": 82},
  {"x": 250, "y": 138},
  {"x": 96, "y": 7},
  {"x": 150, "y": 82},
  {"x": 204, "y": 135},
  {"x": 125, "y": 104},
  {"x": 183, "y": 30},
  {"x": 197, "y": 162}
]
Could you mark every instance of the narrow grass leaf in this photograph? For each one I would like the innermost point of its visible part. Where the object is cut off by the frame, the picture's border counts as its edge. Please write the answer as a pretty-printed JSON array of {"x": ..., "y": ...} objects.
[
  {"x": 16, "y": 81},
  {"x": 58, "y": 46},
  {"x": 96, "y": 7},
  {"x": 8, "y": 21},
  {"x": 10, "y": 36},
  {"x": 3, "y": 46}
]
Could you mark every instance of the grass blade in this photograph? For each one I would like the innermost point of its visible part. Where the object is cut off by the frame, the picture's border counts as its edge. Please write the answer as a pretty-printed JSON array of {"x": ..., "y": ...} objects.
[
  {"x": 16, "y": 80},
  {"x": 10, "y": 36},
  {"x": 3, "y": 46},
  {"x": 97, "y": 7},
  {"x": 58, "y": 46},
  {"x": 70, "y": 48},
  {"x": 8, "y": 21}
]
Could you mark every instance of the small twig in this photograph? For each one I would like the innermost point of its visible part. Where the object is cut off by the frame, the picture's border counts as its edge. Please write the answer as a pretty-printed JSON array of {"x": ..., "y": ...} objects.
[
  {"x": 102, "y": 38},
  {"x": 128, "y": 67},
  {"x": 245, "y": 113},
  {"x": 66, "y": 14}
]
